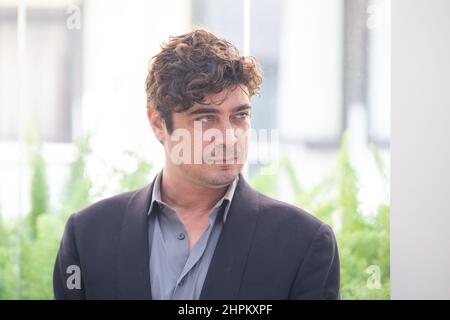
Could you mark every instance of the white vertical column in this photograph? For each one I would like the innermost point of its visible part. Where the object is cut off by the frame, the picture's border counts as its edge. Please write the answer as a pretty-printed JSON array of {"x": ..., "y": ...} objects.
[
  {"x": 246, "y": 23},
  {"x": 420, "y": 219},
  {"x": 379, "y": 93},
  {"x": 21, "y": 99},
  {"x": 310, "y": 77}
]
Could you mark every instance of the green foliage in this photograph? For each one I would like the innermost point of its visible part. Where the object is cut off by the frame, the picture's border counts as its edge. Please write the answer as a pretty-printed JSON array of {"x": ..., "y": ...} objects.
[
  {"x": 28, "y": 248},
  {"x": 76, "y": 194},
  {"x": 7, "y": 263},
  {"x": 137, "y": 177},
  {"x": 39, "y": 185},
  {"x": 363, "y": 238},
  {"x": 38, "y": 257}
]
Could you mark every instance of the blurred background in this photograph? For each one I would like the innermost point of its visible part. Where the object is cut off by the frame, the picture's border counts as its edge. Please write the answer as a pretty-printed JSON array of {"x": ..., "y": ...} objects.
[{"x": 73, "y": 126}]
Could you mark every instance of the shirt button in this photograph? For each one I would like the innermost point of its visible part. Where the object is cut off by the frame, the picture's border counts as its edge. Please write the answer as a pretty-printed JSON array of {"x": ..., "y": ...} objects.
[{"x": 181, "y": 236}]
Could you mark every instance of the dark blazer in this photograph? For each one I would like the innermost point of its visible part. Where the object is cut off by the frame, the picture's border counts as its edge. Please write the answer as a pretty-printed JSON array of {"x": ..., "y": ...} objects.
[{"x": 267, "y": 250}]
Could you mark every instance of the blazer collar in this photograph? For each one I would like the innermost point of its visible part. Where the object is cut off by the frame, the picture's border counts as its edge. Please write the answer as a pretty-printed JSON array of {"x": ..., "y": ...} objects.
[
  {"x": 229, "y": 260},
  {"x": 133, "y": 277}
]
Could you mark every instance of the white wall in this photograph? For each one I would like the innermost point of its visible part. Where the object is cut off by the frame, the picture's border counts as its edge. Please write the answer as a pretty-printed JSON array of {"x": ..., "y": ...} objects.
[{"x": 420, "y": 221}]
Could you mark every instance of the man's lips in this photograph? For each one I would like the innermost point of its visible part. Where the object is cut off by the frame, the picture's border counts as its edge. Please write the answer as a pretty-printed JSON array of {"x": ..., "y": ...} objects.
[{"x": 224, "y": 159}]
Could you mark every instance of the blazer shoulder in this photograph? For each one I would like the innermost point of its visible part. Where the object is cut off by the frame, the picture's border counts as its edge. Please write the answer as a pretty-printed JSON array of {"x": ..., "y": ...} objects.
[
  {"x": 281, "y": 213},
  {"x": 108, "y": 209}
]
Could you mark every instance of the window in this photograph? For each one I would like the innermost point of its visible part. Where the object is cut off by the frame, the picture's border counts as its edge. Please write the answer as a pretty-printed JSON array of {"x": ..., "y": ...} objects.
[{"x": 52, "y": 85}]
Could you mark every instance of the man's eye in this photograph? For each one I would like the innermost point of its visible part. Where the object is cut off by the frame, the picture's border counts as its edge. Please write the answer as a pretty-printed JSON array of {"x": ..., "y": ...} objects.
[
  {"x": 243, "y": 115},
  {"x": 205, "y": 119}
]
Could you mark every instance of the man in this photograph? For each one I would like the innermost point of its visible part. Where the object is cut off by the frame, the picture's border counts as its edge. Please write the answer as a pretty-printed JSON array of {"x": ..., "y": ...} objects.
[{"x": 198, "y": 231}]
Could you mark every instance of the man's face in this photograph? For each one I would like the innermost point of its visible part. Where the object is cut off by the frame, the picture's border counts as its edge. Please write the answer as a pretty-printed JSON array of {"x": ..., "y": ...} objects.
[{"x": 216, "y": 149}]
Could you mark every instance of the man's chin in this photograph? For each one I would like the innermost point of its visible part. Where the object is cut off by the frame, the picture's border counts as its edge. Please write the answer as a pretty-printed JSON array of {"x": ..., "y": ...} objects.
[{"x": 221, "y": 176}]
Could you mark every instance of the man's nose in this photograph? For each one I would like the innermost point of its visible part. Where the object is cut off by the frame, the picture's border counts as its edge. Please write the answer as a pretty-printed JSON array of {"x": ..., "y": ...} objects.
[{"x": 228, "y": 134}]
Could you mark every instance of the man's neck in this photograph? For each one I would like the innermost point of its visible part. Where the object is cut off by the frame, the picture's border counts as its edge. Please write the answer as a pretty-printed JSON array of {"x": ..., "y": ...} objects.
[{"x": 181, "y": 192}]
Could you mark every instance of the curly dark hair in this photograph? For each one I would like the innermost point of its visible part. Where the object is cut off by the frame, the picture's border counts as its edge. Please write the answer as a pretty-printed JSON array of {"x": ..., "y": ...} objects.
[{"x": 193, "y": 65}]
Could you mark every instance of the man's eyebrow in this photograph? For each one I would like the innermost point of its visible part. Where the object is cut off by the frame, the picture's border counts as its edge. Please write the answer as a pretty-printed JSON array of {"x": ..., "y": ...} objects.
[
  {"x": 244, "y": 106},
  {"x": 203, "y": 110}
]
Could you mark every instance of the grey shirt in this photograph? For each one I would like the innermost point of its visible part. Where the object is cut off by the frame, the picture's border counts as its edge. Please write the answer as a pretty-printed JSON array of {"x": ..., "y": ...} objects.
[{"x": 174, "y": 273}]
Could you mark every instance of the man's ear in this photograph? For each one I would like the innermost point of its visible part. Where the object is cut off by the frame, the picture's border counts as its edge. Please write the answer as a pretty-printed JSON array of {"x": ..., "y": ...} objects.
[{"x": 157, "y": 124}]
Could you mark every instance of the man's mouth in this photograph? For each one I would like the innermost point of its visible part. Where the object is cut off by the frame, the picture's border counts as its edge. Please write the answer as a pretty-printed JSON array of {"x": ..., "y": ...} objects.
[
  {"x": 224, "y": 160},
  {"x": 229, "y": 159}
]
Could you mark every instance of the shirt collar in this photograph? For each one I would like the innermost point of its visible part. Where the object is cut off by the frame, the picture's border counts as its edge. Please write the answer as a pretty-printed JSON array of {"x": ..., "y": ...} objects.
[{"x": 228, "y": 196}]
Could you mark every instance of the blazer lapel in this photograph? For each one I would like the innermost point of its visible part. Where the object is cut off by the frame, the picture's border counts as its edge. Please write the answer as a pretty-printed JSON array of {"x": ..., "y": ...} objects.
[
  {"x": 133, "y": 273},
  {"x": 228, "y": 263}
]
